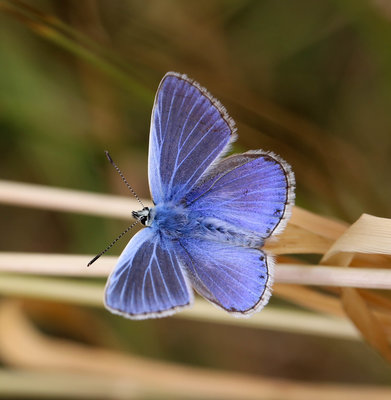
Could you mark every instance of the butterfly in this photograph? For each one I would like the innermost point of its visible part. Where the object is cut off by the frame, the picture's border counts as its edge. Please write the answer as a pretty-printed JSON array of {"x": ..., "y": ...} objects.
[{"x": 211, "y": 215}]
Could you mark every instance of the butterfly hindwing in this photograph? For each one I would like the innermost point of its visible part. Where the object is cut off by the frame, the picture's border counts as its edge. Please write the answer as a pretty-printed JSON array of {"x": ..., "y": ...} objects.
[
  {"x": 237, "y": 279},
  {"x": 147, "y": 280},
  {"x": 189, "y": 130},
  {"x": 253, "y": 192}
]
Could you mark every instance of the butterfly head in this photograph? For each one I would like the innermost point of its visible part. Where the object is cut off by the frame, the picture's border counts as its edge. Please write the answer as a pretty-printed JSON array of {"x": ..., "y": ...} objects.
[{"x": 144, "y": 216}]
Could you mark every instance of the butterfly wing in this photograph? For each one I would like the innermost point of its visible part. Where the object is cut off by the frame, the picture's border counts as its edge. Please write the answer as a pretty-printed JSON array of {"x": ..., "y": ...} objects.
[
  {"x": 252, "y": 192},
  {"x": 189, "y": 130},
  {"x": 147, "y": 280},
  {"x": 237, "y": 279}
]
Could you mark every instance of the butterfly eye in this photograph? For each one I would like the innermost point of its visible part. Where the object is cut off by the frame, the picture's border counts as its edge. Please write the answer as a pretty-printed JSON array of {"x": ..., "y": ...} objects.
[{"x": 143, "y": 216}]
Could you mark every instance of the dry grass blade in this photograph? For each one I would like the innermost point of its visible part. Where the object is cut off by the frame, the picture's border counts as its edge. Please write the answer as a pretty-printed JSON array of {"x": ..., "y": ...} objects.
[
  {"x": 43, "y": 197},
  {"x": 370, "y": 235},
  {"x": 280, "y": 320},
  {"x": 366, "y": 321},
  {"x": 333, "y": 276},
  {"x": 376, "y": 300},
  {"x": 303, "y": 296},
  {"x": 30, "y": 384},
  {"x": 322, "y": 226},
  {"x": 298, "y": 240},
  {"x": 55, "y": 264},
  {"x": 74, "y": 265},
  {"x": 69, "y": 291}
]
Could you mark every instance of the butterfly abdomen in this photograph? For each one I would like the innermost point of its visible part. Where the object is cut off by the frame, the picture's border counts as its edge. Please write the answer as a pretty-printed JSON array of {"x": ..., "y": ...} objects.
[{"x": 217, "y": 230}]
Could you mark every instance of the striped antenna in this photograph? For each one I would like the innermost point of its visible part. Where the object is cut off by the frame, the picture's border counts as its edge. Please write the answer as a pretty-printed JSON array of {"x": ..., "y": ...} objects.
[
  {"x": 123, "y": 178},
  {"x": 112, "y": 243}
]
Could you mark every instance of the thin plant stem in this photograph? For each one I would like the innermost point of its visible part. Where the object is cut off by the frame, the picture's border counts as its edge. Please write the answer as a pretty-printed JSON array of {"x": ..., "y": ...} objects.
[
  {"x": 316, "y": 275},
  {"x": 91, "y": 294}
]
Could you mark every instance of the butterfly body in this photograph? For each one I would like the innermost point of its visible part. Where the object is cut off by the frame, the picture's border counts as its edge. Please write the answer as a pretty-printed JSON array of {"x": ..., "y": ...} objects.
[
  {"x": 172, "y": 220},
  {"x": 211, "y": 217},
  {"x": 176, "y": 222}
]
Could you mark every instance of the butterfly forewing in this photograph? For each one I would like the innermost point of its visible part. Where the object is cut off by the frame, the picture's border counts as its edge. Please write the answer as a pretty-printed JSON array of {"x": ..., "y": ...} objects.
[{"x": 189, "y": 130}]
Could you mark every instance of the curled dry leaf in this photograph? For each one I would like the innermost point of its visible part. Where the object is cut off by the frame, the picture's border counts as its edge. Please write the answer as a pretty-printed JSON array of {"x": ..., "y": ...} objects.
[{"x": 368, "y": 235}]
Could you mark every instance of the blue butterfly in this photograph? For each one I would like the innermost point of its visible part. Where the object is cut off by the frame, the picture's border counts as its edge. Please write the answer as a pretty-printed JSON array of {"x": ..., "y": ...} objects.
[{"x": 211, "y": 215}]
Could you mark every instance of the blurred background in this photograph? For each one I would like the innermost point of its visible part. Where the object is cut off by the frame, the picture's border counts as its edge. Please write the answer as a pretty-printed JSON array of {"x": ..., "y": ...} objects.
[{"x": 308, "y": 80}]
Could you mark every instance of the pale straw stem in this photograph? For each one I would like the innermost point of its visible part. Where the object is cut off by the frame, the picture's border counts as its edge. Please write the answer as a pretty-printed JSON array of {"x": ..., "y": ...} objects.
[{"x": 74, "y": 265}]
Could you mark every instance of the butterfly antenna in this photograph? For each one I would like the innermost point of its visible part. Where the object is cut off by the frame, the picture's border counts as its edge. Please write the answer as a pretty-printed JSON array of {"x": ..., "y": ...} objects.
[
  {"x": 123, "y": 178},
  {"x": 112, "y": 243}
]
